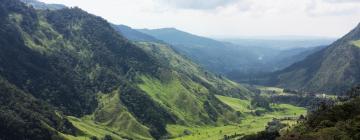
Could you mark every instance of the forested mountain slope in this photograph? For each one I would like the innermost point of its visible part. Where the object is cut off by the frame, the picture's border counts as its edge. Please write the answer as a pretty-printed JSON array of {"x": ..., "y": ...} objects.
[
  {"x": 78, "y": 65},
  {"x": 334, "y": 69}
]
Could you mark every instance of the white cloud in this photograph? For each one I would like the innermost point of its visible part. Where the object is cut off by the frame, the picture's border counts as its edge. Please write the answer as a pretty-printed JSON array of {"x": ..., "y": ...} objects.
[
  {"x": 196, "y": 4},
  {"x": 231, "y": 18},
  {"x": 343, "y": 1},
  {"x": 334, "y": 8}
]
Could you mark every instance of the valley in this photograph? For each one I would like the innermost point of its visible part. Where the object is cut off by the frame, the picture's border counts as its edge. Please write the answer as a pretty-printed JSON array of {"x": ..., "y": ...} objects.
[
  {"x": 250, "y": 123},
  {"x": 69, "y": 74}
]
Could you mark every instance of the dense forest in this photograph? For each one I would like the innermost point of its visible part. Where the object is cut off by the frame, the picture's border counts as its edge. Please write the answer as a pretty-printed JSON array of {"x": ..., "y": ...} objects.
[{"x": 331, "y": 121}]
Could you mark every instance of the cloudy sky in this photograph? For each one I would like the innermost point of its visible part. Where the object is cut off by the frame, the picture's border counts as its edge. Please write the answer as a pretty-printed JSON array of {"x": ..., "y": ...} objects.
[{"x": 231, "y": 18}]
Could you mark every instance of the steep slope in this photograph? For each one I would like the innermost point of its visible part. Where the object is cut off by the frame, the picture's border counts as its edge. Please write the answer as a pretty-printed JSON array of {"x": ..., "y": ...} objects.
[
  {"x": 79, "y": 65},
  {"x": 226, "y": 58},
  {"x": 46, "y": 56},
  {"x": 333, "y": 69},
  {"x": 186, "y": 80},
  {"x": 24, "y": 117}
]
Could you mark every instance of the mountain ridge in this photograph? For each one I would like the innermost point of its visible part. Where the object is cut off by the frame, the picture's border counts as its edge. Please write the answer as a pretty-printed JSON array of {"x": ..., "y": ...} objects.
[
  {"x": 133, "y": 34},
  {"x": 44, "y": 6},
  {"x": 180, "y": 37},
  {"x": 326, "y": 70}
]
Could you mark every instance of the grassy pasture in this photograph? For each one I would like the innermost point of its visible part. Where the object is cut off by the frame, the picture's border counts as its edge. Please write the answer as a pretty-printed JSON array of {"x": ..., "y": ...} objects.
[{"x": 249, "y": 124}]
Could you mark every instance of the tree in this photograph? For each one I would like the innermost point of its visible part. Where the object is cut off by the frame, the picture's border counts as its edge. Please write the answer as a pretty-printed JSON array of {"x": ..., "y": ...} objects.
[
  {"x": 93, "y": 138},
  {"x": 107, "y": 137}
]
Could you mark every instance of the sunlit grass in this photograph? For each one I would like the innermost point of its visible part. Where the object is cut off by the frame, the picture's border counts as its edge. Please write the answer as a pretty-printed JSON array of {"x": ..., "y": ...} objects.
[
  {"x": 237, "y": 104},
  {"x": 250, "y": 123},
  {"x": 356, "y": 43}
]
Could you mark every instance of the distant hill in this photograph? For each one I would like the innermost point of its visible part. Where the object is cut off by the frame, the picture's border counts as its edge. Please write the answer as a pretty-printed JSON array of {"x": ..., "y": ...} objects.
[
  {"x": 176, "y": 37},
  {"x": 133, "y": 34},
  {"x": 227, "y": 58},
  {"x": 334, "y": 69},
  {"x": 283, "y": 42},
  {"x": 281, "y": 60}
]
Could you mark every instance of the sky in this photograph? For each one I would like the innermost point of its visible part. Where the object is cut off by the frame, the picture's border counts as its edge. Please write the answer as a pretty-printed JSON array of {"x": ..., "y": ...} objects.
[{"x": 230, "y": 18}]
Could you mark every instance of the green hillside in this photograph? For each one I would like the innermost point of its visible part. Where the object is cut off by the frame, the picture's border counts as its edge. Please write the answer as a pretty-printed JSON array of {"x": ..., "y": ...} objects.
[
  {"x": 67, "y": 74},
  {"x": 106, "y": 86},
  {"x": 334, "y": 69}
]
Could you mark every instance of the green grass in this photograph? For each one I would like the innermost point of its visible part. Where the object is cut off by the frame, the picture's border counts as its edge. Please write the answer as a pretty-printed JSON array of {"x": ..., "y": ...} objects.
[
  {"x": 111, "y": 113},
  {"x": 187, "y": 67},
  {"x": 89, "y": 128},
  {"x": 356, "y": 43},
  {"x": 177, "y": 98},
  {"x": 249, "y": 124},
  {"x": 18, "y": 18},
  {"x": 236, "y": 104},
  {"x": 266, "y": 91},
  {"x": 110, "y": 118}
]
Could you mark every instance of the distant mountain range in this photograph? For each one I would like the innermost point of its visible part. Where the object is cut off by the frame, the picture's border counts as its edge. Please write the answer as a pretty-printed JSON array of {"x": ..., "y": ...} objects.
[
  {"x": 231, "y": 59},
  {"x": 133, "y": 34},
  {"x": 180, "y": 38},
  {"x": 282, "y": 42}
]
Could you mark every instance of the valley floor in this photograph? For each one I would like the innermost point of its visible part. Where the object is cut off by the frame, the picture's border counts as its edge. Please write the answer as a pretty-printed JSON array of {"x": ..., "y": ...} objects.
[{"x": 250, "y": 123}]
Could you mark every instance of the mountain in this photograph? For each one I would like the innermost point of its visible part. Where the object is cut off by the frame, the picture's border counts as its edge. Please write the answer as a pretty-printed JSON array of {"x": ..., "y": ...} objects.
[
  {"x": 282, "y": 42},
  {"x": 133, "y": 34},
  {"x": 68, "y": 74},
  {"x": 279, "y": 61},
  {"x": 290, "y": 56},
  {"x": 332, "y": 70},
  {"x": 227, "y": 58},
  {"x": 40, "y": 5},
  {"x": 177, "y": 37}
]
